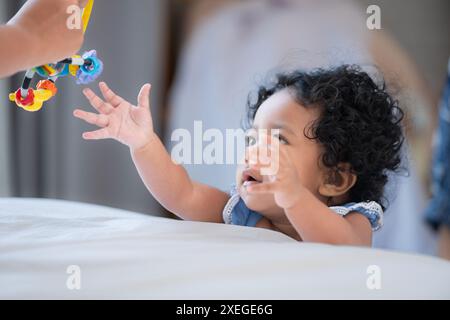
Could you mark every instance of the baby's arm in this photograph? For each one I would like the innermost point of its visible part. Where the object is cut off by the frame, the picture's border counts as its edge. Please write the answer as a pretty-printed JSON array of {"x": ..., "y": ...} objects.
[
  {"x": 167, "y": 182},
  {"x": 315, "y": 222},
  {"x": 38, "y": 34},
  {"x": 171, "y": 186}
]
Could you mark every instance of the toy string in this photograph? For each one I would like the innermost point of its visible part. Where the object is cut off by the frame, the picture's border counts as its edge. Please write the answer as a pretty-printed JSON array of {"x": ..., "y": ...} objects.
[{"x": 87, "y": 14}]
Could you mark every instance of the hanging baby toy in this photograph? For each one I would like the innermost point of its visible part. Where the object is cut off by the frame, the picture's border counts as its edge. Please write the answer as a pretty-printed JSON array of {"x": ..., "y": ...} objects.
[{"x": 85, "y": 69}]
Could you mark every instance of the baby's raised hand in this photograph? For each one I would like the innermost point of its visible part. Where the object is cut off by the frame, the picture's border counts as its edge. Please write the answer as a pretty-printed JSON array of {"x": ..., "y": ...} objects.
[{"x": 119, "y": 119}]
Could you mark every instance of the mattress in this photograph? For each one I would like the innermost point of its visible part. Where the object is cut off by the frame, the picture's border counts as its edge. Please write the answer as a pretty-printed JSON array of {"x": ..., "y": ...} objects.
[{"x": 53, "y": 249}]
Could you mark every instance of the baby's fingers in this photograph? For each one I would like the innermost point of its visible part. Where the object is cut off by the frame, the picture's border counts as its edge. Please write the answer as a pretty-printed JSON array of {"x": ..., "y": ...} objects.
[
  {"x": 110, "y": 95},
  {"x": 99, "y": 120},
  {"x": 263, "y": 187},
  {"x": 97, "y": 135},
  {"x": 98, "y": 104},
  {"x": 144, "y": 96}
]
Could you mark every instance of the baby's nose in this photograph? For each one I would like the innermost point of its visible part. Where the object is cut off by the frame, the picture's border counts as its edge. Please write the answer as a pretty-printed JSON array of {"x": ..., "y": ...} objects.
[
  {"x": 258, "y": 154},
  {"x": 251, "y": 154}
]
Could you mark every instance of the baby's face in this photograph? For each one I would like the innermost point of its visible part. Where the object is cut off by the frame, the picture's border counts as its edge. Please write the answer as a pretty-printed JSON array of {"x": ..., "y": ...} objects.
[{"x": 281, "y": 112}]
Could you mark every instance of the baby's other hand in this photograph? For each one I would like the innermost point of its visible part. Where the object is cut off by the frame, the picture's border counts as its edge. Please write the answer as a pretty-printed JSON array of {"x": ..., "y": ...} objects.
[
  {"x": 119, "y": 119},
  {"x": 284, "y": 182}
]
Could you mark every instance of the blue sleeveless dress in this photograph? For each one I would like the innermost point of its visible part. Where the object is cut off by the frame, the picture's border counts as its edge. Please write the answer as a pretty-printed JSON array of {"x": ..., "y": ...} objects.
[{"x": 237, "y": 213}]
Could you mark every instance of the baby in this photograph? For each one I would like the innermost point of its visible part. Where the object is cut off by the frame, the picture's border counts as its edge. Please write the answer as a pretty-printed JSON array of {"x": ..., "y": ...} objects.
[{"x": 338, "y": 134}]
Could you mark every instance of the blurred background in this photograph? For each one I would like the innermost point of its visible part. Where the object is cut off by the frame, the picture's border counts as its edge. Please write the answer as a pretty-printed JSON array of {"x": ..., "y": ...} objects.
[{"x": 203, "y": 57}]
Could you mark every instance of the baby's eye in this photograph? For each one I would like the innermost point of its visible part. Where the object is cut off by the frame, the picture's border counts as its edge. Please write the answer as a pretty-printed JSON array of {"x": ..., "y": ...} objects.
[
  {"x": 250, "y": 141},
  {"x": 281, "y": 138}
]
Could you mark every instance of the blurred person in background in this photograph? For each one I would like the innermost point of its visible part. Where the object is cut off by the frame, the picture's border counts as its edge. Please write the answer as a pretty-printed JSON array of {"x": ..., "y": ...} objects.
[
  {"x": 231, "y": 45},
  {"x": 438, "y": 212}
]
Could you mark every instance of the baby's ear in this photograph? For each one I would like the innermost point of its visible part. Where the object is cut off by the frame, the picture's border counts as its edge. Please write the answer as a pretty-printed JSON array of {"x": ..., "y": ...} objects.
[{"x": 336, "y": 182}]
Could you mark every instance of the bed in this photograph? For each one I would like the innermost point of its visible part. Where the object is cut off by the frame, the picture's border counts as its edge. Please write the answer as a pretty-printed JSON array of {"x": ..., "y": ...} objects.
[{"x": 117, "y": 254}]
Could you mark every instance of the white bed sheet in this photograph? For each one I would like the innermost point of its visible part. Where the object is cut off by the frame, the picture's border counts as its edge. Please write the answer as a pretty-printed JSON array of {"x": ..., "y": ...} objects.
[{"x": 126, "y": 255}]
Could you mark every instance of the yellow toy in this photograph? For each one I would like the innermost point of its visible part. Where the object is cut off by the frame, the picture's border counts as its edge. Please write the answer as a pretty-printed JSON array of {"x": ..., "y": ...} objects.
[{"x": 85, "y": 69}]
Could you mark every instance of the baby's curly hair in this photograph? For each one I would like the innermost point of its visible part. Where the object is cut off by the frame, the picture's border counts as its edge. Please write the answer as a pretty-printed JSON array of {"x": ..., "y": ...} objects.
[{"x": 360, "y": 123}]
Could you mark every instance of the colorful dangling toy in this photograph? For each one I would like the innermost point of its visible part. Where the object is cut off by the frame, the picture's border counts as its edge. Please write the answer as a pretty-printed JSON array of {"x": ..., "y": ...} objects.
[{"x": 85, "y": 69}]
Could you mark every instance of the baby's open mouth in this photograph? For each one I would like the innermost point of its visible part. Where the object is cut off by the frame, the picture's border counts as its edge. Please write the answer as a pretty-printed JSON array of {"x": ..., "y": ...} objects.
[{"x": 250, "y": 177}]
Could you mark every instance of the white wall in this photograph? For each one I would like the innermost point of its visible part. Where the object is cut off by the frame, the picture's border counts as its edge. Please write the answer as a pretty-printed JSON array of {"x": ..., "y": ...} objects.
[{"x": 4, "y": 105}]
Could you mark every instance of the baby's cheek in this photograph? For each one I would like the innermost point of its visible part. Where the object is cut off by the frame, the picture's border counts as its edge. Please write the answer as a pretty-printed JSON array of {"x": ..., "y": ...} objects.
[
  {"x": 310, "y": 179},
  {"x": 239, "y": 170},
  {"x": 303, "y": 169}
]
